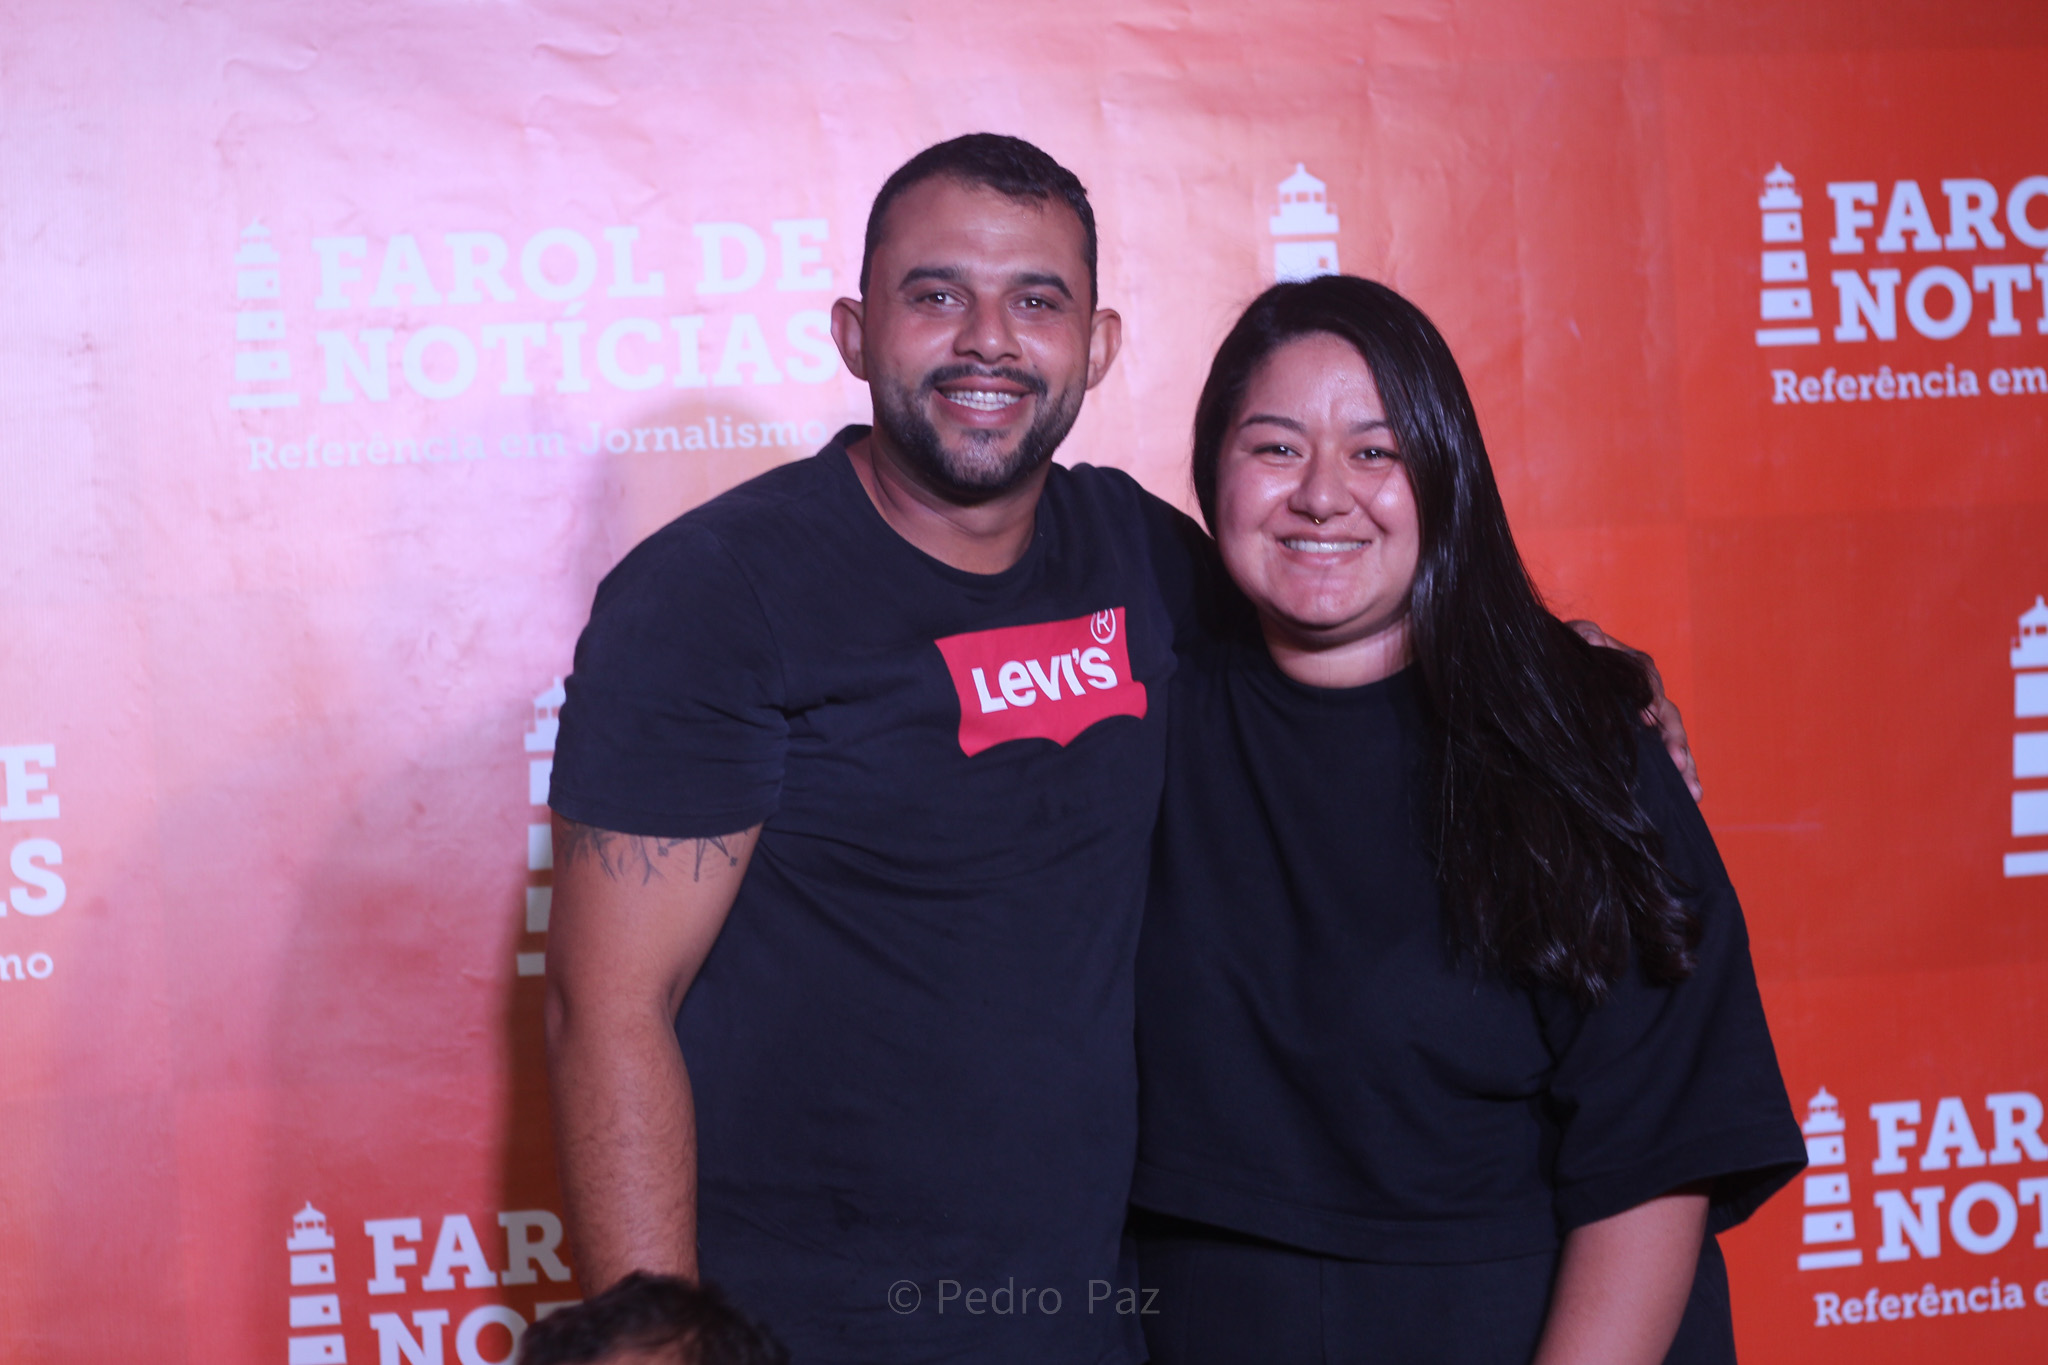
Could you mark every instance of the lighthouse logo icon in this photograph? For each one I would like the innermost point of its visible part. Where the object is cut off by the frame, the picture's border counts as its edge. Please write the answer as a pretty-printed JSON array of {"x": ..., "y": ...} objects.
[
  {"x": 1304, "y": 212},
  {"x": 261, "y": 359},
  {"x": 312, "y": 1267},
  {"x": 1786, "y": 296},
  {"x": 1828, "y": 1221},
  {"x": 2030, "y": 746},
  {"x": 539, "y": 743}
]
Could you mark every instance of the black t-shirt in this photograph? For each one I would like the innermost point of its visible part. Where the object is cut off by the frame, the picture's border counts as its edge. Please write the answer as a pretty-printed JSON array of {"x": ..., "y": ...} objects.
[
  {"x": 1317, "y": 1071},
  {"x": 910, "y": 1048}
]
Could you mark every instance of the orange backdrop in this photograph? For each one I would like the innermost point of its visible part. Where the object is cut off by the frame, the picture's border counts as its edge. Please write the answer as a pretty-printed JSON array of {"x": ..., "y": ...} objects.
[{"x": 346, "y": 346}]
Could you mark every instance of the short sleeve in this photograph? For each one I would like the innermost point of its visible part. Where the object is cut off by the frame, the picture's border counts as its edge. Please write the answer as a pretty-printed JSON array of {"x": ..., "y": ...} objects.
[
  {"x": 1663, "y": 1086},
  {"x": 673, "y": 725}
]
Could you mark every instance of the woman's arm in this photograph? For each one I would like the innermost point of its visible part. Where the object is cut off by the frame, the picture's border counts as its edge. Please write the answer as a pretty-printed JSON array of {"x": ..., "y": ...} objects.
[{"x": 1623, "y": 1281}]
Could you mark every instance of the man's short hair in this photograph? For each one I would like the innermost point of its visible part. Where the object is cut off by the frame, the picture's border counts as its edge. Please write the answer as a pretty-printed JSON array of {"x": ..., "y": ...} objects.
[
  {"x": 693, "y": 1324},
  {"x": 1008, "y": 165}
]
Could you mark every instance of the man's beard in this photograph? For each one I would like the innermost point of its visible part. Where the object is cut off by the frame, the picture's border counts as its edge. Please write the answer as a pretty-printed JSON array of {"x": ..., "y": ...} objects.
[{"x": 979, "y": 474}]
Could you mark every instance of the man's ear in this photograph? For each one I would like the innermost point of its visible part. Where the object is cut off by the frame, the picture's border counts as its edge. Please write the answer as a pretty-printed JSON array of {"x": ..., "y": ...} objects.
[
  {"x": 1105, "y": 339},
  {"x": 849, "y": 323}
]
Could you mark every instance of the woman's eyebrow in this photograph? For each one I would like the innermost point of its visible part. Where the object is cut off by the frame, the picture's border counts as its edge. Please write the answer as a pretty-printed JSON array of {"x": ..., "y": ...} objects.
[{"x": 1374, "y": 424}]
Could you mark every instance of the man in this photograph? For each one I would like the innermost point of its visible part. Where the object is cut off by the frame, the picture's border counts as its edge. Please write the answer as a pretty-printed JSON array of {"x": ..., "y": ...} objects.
[
  {"x": 856, "y": 776},
  {"x": 853, "y": 796}
]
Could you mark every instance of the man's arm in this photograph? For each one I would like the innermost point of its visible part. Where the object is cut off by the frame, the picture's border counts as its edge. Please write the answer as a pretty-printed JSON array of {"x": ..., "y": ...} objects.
[
  {"x": 1663, "y": 712},
  {"x": 632, "y": 921},
  {"x": 1622, "y": 1284}
]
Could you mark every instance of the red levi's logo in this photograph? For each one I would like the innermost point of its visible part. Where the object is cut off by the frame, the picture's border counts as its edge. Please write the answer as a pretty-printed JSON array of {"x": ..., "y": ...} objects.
[{"x": 1048, "y": 681}]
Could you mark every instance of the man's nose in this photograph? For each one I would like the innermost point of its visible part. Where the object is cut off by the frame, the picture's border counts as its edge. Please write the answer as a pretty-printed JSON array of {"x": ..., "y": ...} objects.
[{"x": 986, "y": 333}]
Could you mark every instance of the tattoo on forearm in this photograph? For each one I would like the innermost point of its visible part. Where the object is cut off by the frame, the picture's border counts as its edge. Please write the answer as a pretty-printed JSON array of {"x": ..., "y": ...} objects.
[{"x": 644, "y": 858}]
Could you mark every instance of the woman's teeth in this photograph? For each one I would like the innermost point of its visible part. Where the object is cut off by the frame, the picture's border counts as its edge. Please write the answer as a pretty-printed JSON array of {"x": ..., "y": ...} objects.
[{"x": 1323, "y": 547}]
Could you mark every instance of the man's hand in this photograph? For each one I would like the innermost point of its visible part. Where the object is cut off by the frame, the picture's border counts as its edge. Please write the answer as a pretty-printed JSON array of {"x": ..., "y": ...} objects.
[
  {"x": 633, "y": 920},
  {"x": 1662, "y": 712}
]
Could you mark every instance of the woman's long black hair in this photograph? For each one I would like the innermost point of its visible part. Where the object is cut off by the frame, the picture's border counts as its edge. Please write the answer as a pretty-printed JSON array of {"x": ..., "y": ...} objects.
[{"x": 1551, "y": 873}]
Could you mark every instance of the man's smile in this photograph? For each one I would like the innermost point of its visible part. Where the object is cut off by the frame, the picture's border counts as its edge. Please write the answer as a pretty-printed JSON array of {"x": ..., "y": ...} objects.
[{"x": 981, "y": 400}]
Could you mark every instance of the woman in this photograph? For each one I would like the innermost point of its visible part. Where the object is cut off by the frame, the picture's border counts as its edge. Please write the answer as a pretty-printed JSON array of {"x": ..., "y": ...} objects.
[{"x": 1450, "y": 1044}]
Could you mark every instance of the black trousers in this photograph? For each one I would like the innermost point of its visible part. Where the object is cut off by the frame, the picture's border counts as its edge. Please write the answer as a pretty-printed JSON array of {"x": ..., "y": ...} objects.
[{"x": 1228, "y": 1299}]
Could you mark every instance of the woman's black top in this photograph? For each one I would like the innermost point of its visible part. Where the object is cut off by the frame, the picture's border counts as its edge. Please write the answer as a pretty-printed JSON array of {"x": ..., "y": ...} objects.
[{"x": 1317, "y": 1070}]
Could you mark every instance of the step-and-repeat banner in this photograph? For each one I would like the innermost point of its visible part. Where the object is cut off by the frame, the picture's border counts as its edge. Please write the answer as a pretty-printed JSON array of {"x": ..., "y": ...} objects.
[{"x": 343, "y": 347}]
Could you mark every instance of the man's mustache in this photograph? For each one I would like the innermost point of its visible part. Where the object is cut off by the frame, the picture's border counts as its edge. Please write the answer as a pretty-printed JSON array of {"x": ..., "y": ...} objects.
[{"x": 946, "y": 374}]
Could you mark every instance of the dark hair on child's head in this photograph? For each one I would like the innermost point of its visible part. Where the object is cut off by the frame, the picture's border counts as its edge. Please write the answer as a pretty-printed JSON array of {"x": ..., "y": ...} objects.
[{"x": 652, "y": 1315}]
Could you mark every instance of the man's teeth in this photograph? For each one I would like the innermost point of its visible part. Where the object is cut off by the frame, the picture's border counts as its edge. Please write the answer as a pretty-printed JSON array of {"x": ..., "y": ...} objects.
[
  {"x": 984, "y": 400},
  {"x": 1323, "y": 547}
]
